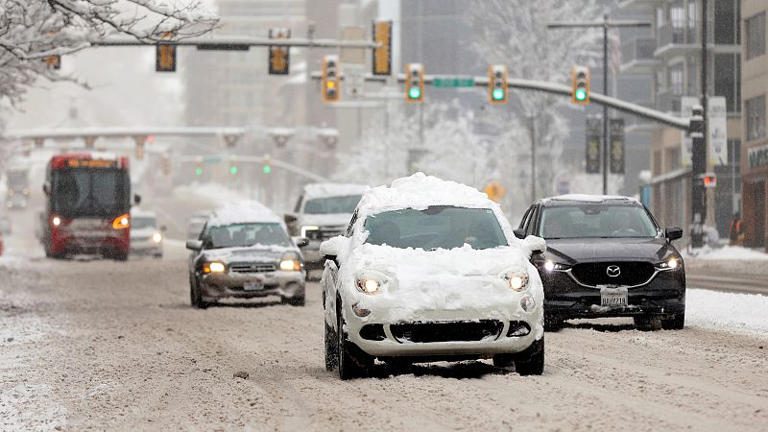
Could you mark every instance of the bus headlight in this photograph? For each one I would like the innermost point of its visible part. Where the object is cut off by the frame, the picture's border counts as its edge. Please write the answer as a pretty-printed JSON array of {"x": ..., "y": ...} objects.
[
  {"x": 122, "y": 222},
  {"x": 55, "y": 221}
]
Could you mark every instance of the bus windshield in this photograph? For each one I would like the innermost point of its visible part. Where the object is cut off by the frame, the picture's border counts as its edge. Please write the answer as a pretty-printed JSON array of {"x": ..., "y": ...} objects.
[{"x": 90, "y": 192}]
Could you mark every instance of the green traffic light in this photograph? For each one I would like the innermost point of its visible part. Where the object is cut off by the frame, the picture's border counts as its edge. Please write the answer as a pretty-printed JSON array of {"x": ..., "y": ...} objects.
[
  {"x": 414, "y": 93},
  {"x": 233, "y": 170},
  {"x": 198, "y": 171},
  {"x": 266, "y": 169},
  {"x": 581, "y": 94},
  {"x": 498, "y": 94}
]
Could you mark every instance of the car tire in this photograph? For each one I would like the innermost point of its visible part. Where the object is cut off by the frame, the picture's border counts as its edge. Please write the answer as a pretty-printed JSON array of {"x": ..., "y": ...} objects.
[
  {"x": 504, "y": 360},
  {"x": 353, "y": 362},
  {"x": 677, "y": 322},
  {"x": 120, "y": 256},
  {"x": 648, "y": 322},
  {"x": 552, "y": 323},
  {"x": 159, "y": 256},
  {"x": 331, "y": 352},
  {"x": 293, "y": 301},
  {"x": 195, "y": 296},
  {"x": 531, "y": 361}
]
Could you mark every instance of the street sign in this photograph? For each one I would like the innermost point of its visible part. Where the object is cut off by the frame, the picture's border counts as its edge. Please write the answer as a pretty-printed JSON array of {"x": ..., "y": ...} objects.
[
  {"x": 495, "y": 191},
  {"x": 382, "y": 55},
  {"x": 593, "y": 145},
  {"x": 279, "y": 56},
  {"x": 616, "y": 128},
  {"x": 451, "y": 82}
]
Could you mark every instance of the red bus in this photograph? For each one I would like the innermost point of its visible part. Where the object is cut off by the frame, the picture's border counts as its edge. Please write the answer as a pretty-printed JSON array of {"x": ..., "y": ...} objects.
[{"x": 88, "y": 203}]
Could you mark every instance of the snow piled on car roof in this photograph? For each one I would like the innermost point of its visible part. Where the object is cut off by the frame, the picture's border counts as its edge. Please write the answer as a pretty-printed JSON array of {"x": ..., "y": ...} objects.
[
  {"x": 420, "y": 191},
  {"x": 243, "y": 212},
  {"x": 326, "y": 190}
]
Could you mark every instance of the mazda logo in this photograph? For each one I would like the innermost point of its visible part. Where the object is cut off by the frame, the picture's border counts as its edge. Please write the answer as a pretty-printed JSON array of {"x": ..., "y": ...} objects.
[{"x": 613, "y": 271}]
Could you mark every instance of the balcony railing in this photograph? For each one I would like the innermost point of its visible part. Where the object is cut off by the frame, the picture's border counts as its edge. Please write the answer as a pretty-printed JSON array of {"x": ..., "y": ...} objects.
[
  {"x": 686, "y": 33},
  {"x": 637, "y": 49}
]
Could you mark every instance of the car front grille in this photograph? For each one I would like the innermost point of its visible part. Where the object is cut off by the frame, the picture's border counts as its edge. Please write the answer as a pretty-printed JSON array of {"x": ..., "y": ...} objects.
[
  {"x": 324, "y": 233},
  {"x": 252, "y": 267},
  {"x": 462, "y": 331},
  {"x": 630, "y": 273}
]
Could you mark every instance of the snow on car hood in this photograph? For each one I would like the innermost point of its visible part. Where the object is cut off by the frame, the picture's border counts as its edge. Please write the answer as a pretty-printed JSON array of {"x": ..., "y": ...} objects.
[
  {"x": 255, "y": 253},
  {"x": 420, "y": 282},
  {"x": 326, "y": 219}
]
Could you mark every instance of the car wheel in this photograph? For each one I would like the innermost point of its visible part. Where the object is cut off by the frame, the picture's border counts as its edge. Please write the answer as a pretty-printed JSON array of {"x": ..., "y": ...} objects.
[
  {"x": 120, "y": 256},
  {"x": 552, "y": 323},
  {"x": 195, "y": 296},
  {"x": 293, "y": 301},
  {"x": 647, "y": 322},
  {"x": 159, "y": 256},
  {"x": 353, "y": 362},
  {"x": 677, "y": 322},
  {"x": 503, "y": 360},
  {"x": 531, "y": 361},
  {"x": 331, "y": 353}
]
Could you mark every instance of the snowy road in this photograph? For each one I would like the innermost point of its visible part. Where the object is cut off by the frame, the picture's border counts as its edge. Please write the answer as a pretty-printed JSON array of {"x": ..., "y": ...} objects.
[{"x": 115, "y": 346}]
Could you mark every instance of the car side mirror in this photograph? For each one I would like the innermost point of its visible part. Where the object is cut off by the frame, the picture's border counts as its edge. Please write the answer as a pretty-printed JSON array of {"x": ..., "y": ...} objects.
[
  {"x": 301, "y": 241},
  {"x": 331, "y": 248},
  {"x": 46, "y": 189},
  {"x": 289, "y": 218},
  {"x": 519, "y": 233},
  {"x": 537, "y": 245},
  {"x": 194, "y": 245},
  {"x": 673, "y": 233},
  {"x": 136, "y": 199},
  {"x": 163, "y": 228}
]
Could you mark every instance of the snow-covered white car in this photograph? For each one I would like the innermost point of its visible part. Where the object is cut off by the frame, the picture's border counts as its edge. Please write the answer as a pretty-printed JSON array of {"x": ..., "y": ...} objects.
[
  {"x": 431, "y": 270},
  {"x": 322, "y": 211},
  {"x": 146, "y": 235}
]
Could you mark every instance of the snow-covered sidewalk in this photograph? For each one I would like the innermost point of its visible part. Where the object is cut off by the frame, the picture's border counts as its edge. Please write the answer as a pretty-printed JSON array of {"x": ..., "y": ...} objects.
[{"x": 727, "y": 311}]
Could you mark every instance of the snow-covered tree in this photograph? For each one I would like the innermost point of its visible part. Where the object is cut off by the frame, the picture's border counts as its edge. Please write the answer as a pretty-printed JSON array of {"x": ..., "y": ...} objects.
[
  {"x": 514, "y": 33},
  {"x": 33, "y": 30}
]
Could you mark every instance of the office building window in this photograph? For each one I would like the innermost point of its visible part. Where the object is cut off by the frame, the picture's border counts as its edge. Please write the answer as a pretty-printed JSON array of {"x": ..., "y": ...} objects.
[
  {"x": 755, "y": 112},
  {"x": 726, "y": 22},
  {"x": 676, "y": 79},
  {"x": 755, "y": 28},
  {"x": 727, "y": 80}
]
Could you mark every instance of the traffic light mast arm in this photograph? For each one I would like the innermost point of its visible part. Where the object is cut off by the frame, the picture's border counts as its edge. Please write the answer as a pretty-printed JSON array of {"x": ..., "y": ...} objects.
[{"x": 240, "y": 43}]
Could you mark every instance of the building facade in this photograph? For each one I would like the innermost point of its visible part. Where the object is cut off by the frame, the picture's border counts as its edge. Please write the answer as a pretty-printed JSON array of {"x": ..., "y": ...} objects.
[
  {"x": 754, "y": 88},
  {"x": 671, "y": 56}
]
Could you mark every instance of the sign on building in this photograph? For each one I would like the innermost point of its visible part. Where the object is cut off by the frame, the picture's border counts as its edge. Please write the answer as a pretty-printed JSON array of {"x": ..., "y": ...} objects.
[
  {"x": 718, "y": 130},
  {"x": 757, "y": 157}
]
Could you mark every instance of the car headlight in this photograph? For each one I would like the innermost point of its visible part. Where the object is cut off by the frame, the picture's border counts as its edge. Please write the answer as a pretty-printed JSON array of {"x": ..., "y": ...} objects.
[
  {"x": 306, "y": 228},
  {"x": 670, "y": 264},
  {"x": 157, "y": 237},
  {"x": 371, "y": 282},
  {"x": 214, "y": 267},
  {"x": 550, "y": 266},
  {"x": 290, "y": 262},
  {"x": 516, "y": 280}
]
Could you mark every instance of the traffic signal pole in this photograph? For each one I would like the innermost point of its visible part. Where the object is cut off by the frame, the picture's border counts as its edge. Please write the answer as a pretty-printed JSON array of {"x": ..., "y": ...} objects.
[{"x": 605, "y": 25}]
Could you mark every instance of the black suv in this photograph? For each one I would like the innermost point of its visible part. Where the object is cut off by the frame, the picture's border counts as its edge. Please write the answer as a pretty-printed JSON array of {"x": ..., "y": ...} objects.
[{"x": 606, "y": 257}]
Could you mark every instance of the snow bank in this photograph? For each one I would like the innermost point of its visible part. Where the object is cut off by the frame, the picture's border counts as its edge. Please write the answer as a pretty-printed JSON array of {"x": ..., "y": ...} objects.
[
  {"x": 727, "y": 311},
  {"x": 325, "y": 190},
  {"x": 243, "y": 212},
  {"x": 728, "y": 253}
]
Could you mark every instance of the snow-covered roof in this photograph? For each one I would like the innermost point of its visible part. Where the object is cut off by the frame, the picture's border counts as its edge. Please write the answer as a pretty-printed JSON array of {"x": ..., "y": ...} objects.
[
  {"x": 420, "y": 191},
  {"x": 588, "y": 198},
  {"x": 243, "y": 212},
  {"x": 325, "y": 190}
]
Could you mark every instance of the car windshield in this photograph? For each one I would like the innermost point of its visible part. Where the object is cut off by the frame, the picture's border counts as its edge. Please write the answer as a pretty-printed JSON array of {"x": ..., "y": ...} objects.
[
  {"x": 140, "y": 222},
  {"x": 596, "y": 221},
  {"x": 332, "y": 205},
  {"x": 436, "y": 227},
  {"x": 247, "y": 234},
  {"x": 90, "y": 192}
]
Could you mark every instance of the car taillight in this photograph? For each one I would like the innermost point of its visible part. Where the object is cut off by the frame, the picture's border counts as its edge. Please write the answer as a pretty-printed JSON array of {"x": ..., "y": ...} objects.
[{"x": 122, "y": 222}]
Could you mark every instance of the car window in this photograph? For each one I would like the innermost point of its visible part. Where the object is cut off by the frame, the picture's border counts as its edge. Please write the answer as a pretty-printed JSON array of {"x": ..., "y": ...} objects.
[
  {"x": 524, "y": 221},
  {"x": 596, "y": 221},
  {"x": 143, "y": 222},
  {"x": 247, "y": 234},
  {"x": 436, "y": 227},
  {"x": 351, "y": 225},
  {"x": 332, "y": 205}
]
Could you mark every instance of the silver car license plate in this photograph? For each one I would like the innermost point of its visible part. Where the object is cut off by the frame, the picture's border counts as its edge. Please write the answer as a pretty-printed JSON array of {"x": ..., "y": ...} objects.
[
  {"x": 253, "y": 286},
  {"x": 614, "y": 297}
]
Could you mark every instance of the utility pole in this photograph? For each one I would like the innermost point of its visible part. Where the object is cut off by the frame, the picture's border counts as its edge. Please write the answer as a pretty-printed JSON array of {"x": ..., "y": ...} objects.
[
  {"x": 532, "y": 126},
  {"x": 605, "y": 24}
]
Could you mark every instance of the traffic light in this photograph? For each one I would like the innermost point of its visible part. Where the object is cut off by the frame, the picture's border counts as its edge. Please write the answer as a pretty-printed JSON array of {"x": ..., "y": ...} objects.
[
  {"x": 279, "y": 56},
  {"x": 497, "y": 84},
  {"x": 199, "y": 169},
  {"x": 266, "y": 165},
  {"x": 233, "y": 169},
  {"x": 709, "y": 180},
  {"x": 580, "y": 85},
  {"x": 414, "y": 82},
  {"x": 331, "y": 79},
  {"x": 165, "y": 57}
]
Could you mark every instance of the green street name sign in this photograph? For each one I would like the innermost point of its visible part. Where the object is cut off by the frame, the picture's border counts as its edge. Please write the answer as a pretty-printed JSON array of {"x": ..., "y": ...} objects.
[{"x": 447, "y": 82}]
